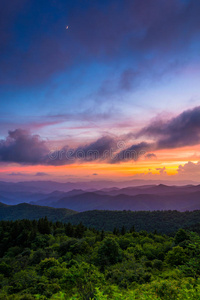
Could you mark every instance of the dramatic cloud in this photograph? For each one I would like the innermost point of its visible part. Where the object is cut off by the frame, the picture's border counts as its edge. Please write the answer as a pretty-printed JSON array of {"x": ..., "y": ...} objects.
[
  {"x": 133, "y": 153},
  {"x": 21, "y": 147},
  {"x": 98, "y": 150},
  {"x": 183, "y": 130}
]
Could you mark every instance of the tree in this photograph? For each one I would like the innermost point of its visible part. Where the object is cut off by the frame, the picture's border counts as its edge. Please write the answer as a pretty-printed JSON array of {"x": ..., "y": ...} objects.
[
  {"x": 44, "y": 226},
  {"x": 181, "y": 236},
  {"x": 176, "y": 256},
  {"x": 123, "y": 230},
  {"x": 132, "y": 229},
  {"x": 108, "y": 253},
  {"x": 86, "y": 278},
  {"x": 115, "y": 231},
  {"x": 69, "y": 230},
  {"x": 48, "y": 263},
  {"x": 79, "y": 231},
  {"x": 102, "y": 234}
]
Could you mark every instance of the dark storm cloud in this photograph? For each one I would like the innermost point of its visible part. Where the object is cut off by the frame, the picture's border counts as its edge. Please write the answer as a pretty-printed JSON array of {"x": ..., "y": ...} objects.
[{"x": 36, "y": 43}]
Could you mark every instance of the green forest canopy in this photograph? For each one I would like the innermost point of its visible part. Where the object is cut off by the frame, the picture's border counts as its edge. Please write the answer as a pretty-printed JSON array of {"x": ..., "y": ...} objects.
[{"x": 46, "y": 260}]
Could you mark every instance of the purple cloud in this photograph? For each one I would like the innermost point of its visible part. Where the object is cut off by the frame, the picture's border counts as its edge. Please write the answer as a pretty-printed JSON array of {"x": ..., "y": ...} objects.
[
  {"x": 21, "y": 147},
  {"x": 133, "y": 153},
  {"x": 183, "y": 130},
  {"x": 180, "y": 131},
  {"x": 97, "y": 150}
]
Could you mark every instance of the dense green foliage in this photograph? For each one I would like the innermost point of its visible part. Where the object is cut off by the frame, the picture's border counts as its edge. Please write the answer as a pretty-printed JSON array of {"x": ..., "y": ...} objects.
[
  {"x": 45, "y": 260},
  {"x": 162, "y": 221}
]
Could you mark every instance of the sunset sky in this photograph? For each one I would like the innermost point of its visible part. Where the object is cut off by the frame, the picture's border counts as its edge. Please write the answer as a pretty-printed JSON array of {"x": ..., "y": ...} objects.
[{"x": 119, "y": 79}]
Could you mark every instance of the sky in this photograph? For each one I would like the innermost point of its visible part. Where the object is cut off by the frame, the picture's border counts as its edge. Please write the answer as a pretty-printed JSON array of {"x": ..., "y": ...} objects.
[{"x": 95, "y": 89}]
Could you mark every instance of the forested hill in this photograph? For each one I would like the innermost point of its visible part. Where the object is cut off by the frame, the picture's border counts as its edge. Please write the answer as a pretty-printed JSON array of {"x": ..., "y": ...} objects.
[
  {"x": 161, "y": 221},
  {"x": 33, "y": 212}
]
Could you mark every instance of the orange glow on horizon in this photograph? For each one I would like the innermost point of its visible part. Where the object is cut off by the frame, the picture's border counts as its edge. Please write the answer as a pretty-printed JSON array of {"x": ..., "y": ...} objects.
[{"x": 168, "y": 159}]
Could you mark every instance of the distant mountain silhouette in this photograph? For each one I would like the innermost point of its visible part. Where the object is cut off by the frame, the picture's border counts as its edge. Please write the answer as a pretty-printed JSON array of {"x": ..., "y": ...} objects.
[
  {"x": 146, "y": 197},
  {"x": 150, "y": 198},
  {"x": 51, "y": 186}
]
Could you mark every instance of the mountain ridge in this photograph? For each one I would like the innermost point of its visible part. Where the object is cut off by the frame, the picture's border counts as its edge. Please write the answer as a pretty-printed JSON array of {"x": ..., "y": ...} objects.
[{"x": 167, "y": 221}]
